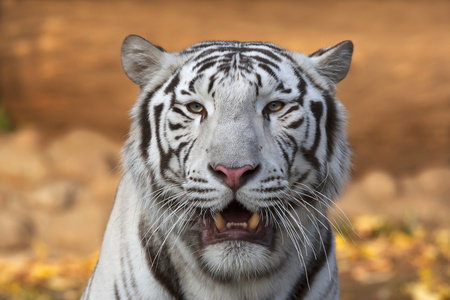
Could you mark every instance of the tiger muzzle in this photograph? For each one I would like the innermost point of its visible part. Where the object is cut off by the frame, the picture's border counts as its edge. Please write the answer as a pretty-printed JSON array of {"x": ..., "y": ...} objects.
[{"x": 236, "y": 223}]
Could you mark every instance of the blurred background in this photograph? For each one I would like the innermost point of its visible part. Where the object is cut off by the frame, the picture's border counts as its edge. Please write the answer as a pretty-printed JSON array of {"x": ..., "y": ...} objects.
[{"x": 64, "y": 103}]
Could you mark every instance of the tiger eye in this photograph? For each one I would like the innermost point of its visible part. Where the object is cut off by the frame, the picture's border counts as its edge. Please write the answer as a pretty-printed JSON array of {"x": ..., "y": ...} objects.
[
  {"x": 275, "y": 106},
  {"x": 195, "y": 107}
]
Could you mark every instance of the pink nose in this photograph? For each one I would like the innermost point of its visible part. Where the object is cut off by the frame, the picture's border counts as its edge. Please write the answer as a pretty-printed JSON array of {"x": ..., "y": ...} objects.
[{"x": 233, "y": 175}]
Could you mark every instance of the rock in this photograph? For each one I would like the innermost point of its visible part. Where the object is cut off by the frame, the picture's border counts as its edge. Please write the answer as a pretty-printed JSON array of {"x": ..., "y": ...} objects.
[
  {"x": 54, "y": 196},
  {"x": 429, "y": 209},
  {"x": 78, "y": 230},
  {"x": 380, "y": 186},
  {"x": 15, "y": 231},
  {"x": 104, "y": 188},
  {"x": 22, "y": 158},
  {"x": 435, "y": 181},
  {"x": 28, "y": 138},
  {"x": 22, "y": 165},
  {"x": 84, "y": 154},
  {"x": 353, "y": 201}
]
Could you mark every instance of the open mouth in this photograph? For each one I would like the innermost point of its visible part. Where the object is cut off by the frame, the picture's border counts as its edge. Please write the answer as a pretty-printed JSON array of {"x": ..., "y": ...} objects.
[{"x": 236, "y": 223}]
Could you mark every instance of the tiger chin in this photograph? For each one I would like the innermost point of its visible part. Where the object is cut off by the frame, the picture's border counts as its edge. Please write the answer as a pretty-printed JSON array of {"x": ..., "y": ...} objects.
[{"x": 235, "y": 154}]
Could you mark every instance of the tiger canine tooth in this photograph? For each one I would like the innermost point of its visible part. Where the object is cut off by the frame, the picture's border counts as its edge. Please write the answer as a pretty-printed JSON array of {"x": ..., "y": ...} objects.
[
  {"x": 253, "y": 221},
  {"x": 220, "y": 222}
]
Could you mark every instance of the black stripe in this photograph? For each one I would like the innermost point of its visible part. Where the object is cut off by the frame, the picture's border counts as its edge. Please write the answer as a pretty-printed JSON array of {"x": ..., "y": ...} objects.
[
  {"x": 173, "y": 84},
  {"x": 124, "y": 278},
  {"x": 199, "y": 190},
  {"x": 164, "y": 157},
  {"x": 317, "y": 110},
  {"x": 144, "y": 121},
  {"x": 204, "y": 53},
  {"x": 163, "y": 270},
  {"x": 272, "y": 55},
  {"x": 296, "y": 124},
  {"x": 180, "y": 136},
  {"x": 207, "y": 66},
  {"x": 290, "y": 144},
  {"x": 269, "y": 190},
  {"x": 206, "y": 60},
  {"x": 293, "y": 108},
  {"x": 310, "y": 154},
  {"x": 285, "y": 155},
  {"x": 179, "y": 111},
  {"x": 266, "y": 62},
  {"x": 314, "y": 265},
  {"x": 246, "y": 68},
  {"x": 197, "y": 179},
  {"x": 301, "y": 87},
  {"x": 212, "y": 79},
  {"x": 331, "y": 124},
  {"x": 188, "y": 152},
  {"x": 293, "y": 145},
  {"x": 116, "y": 292},
  {"x": 258, "y": 77},
  {"x": 282, "y": 89},
  {"x": 273, "y": 178},
  {"x": 269, "y": 71},
  {"x": 133, "y": 281},
  {"x": 302, "y": 178},
  {"x": 191, "y": 84},
  {"x": 177, "y": 151},
  {"x": 176, "y": 126}
]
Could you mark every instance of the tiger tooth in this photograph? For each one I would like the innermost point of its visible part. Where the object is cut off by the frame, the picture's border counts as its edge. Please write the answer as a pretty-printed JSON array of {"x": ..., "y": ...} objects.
[
  {"x": 220, "y": 222},
  {"x": 253, "y": 221}
]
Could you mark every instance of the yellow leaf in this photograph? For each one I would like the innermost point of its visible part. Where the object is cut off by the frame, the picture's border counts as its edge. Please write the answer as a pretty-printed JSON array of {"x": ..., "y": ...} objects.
[
  {"x": 420, "y": 291},
  {"x": 41, "y": 249}
]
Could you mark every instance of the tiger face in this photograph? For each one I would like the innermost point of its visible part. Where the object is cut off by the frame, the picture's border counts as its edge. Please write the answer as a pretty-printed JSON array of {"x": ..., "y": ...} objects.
[{"x": 238, "y": 149}]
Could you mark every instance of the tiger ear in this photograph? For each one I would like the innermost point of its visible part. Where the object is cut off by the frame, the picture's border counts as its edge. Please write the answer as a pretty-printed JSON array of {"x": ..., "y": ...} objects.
[
  {"x": 141, "y": 59},
  {"x": 334, "y": 62}
]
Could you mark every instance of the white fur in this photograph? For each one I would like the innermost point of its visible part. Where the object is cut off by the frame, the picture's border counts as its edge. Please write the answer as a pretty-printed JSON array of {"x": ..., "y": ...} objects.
[{"x": 164, "y": 194}]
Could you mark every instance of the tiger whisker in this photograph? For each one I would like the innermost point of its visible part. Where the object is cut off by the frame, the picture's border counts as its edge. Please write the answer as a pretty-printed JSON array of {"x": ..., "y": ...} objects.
[
  {"x": 335, "y": 227},
  {"x": 168, "y": 234},
  {"x": 320, "y": 196},
  {"x": 166, "y": 218},
  {"x": 294, "y": 241}
]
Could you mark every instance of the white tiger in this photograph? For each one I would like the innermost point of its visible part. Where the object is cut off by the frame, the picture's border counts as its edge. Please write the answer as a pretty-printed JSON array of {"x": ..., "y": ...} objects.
[{"x": 235, "y": 153}]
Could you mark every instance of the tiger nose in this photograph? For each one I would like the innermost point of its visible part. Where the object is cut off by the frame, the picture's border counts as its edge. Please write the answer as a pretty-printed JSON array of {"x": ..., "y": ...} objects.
[{"x": 233, "y": 177}]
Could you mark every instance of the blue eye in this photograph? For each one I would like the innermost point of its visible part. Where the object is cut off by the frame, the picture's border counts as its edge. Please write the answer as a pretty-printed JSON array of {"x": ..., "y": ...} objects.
[
  {"x": 275, "y": 106},
  {"x": 195, "y": 107}
]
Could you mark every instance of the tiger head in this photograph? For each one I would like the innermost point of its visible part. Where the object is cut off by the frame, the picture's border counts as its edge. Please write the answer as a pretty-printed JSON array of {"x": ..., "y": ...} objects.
[{"x": 237, "y": 148}]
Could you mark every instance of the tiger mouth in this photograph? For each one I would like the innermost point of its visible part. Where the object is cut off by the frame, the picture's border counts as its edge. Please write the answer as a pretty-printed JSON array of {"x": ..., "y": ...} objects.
[{"x": 236, "y": 223}]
